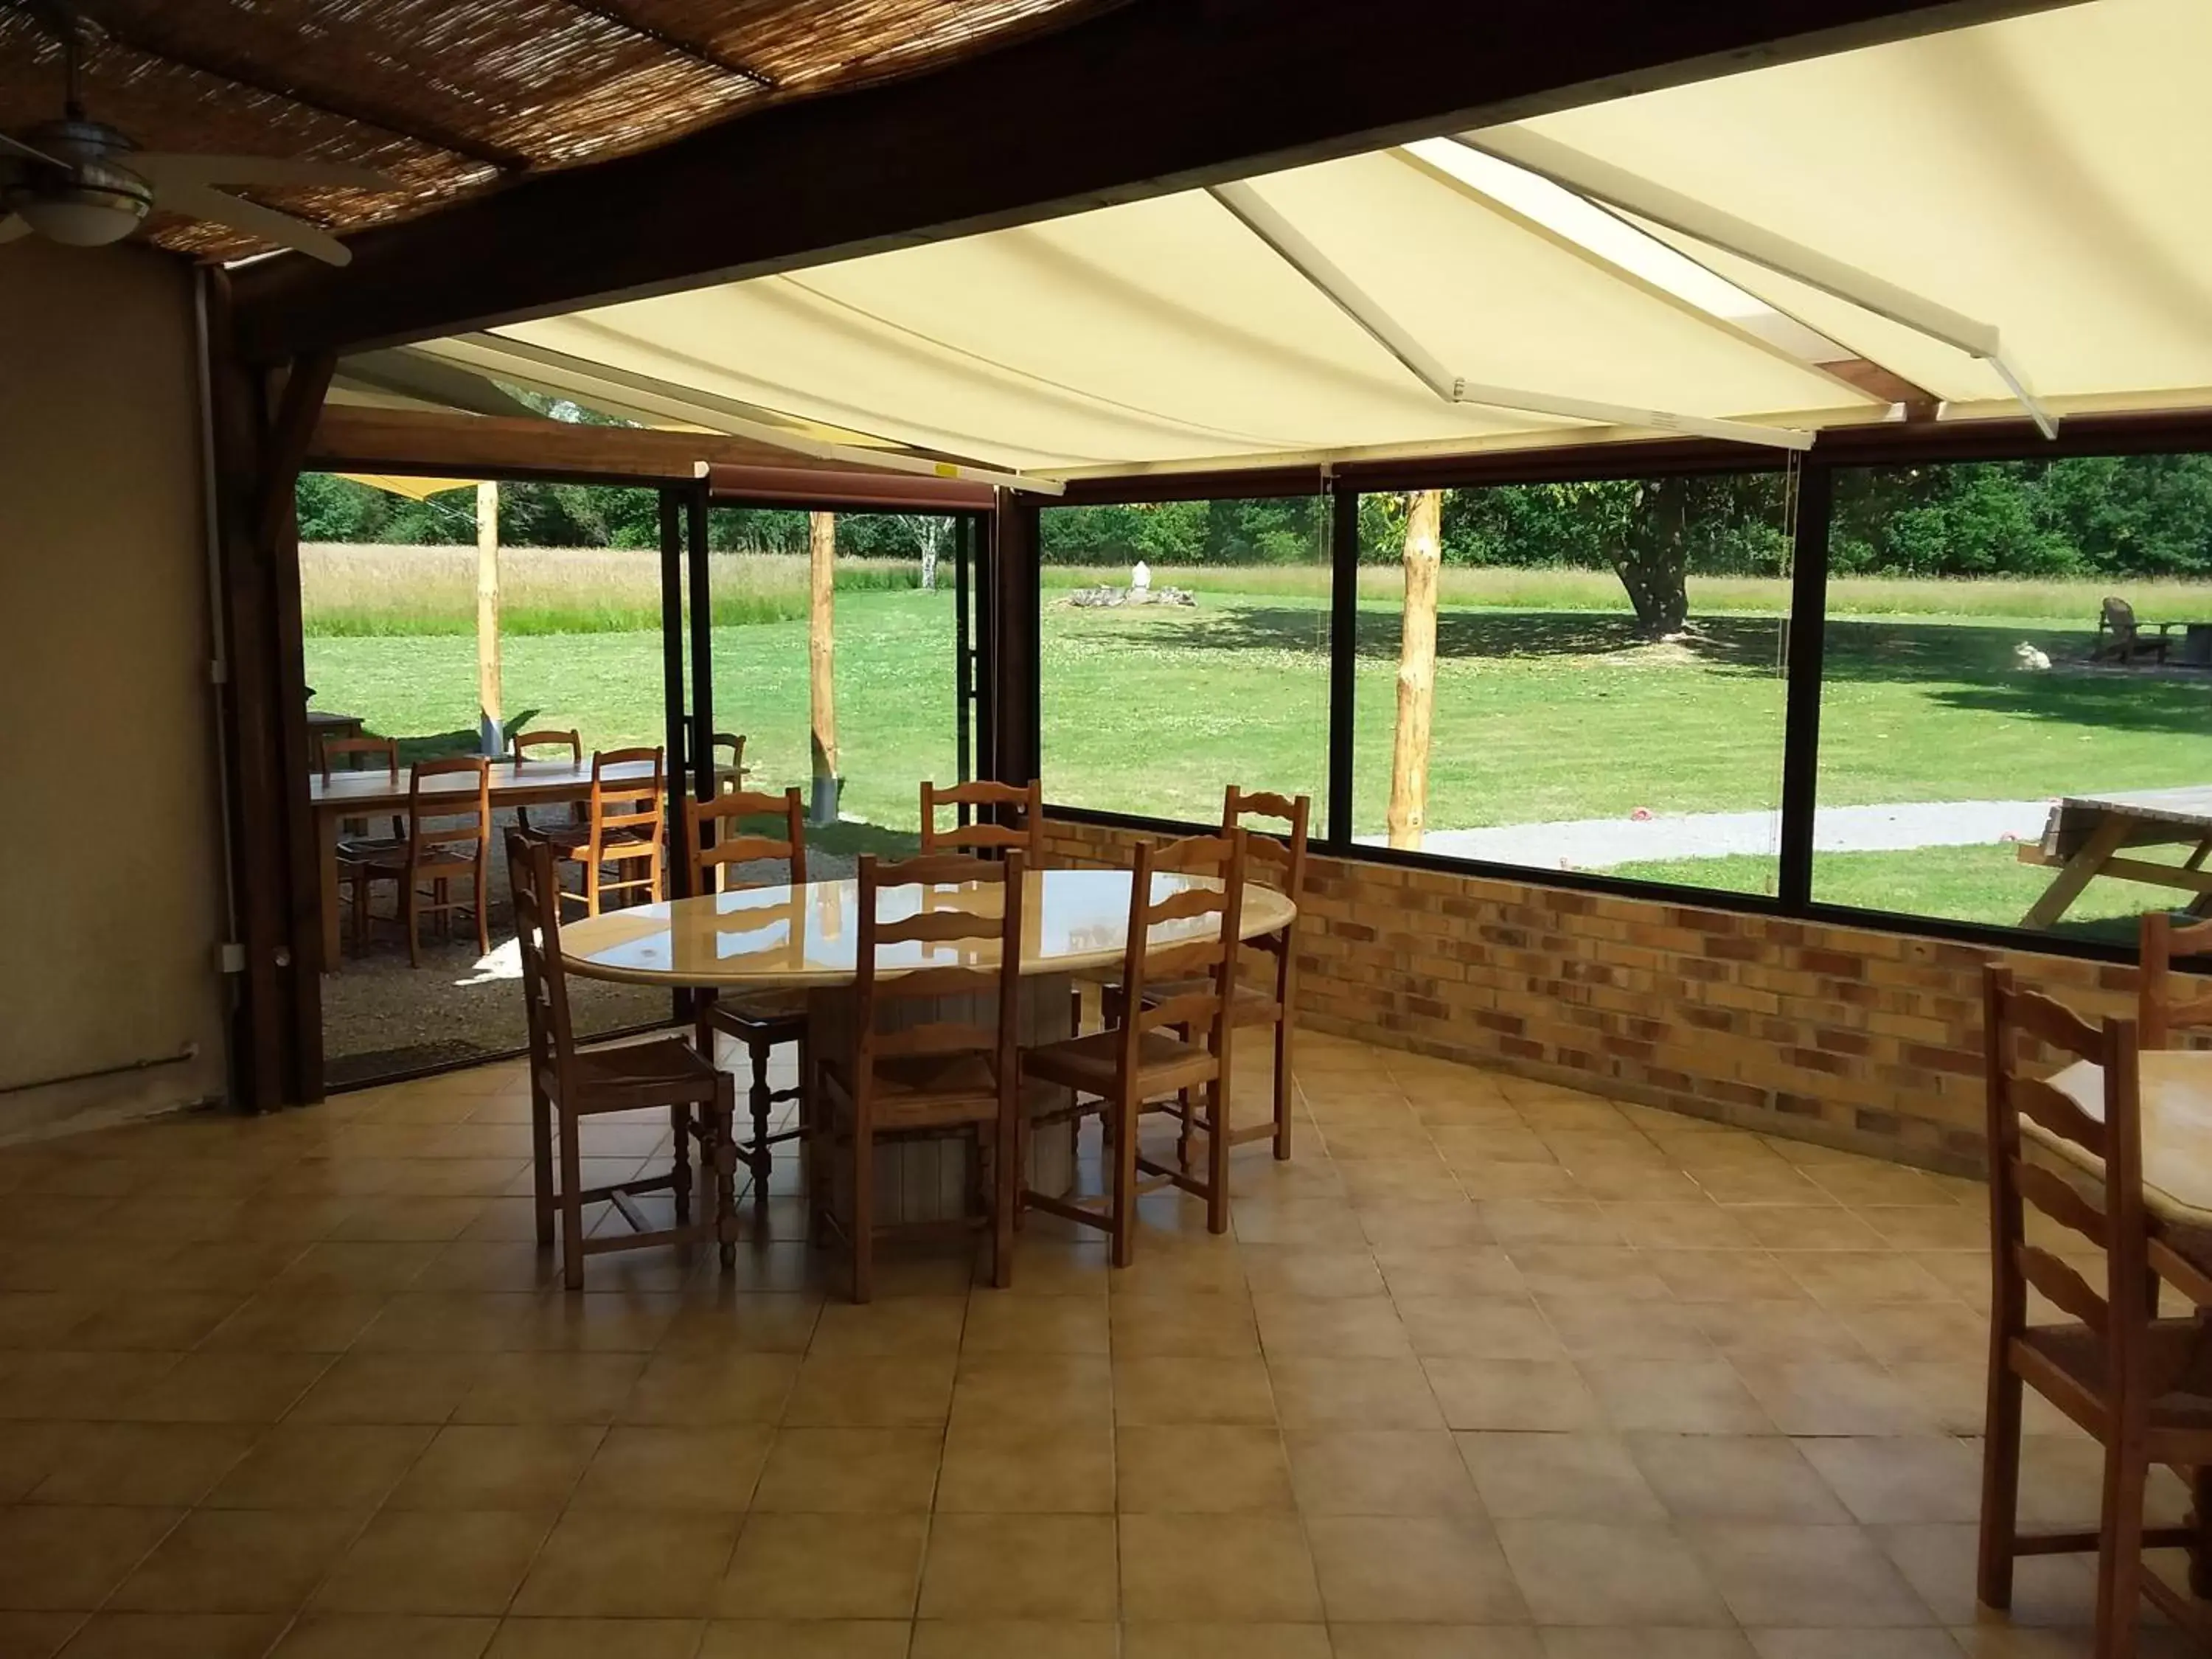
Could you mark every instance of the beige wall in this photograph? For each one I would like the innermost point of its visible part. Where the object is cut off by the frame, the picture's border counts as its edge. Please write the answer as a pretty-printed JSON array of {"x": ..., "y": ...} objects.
[{"x": 111, "y": 904}]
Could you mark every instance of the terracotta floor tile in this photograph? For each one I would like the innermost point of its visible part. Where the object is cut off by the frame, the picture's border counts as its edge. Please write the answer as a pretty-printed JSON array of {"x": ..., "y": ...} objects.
[
  {"x": 1832, "y": 1397},
  {"x": 1831, "y": 1577},
  {"x": 435, "y": 1561},
  {"x": 640, "y": 1466},
  {"x": 1910, "y": 1478},
  {"x": 1346, "y": 1328},
  {"x": 389, "y": 1388},
  {"x": 855, "y": 1471},
  {"x": 712, "y": 1389},
  {"x": 238, "y": 1561},
  {"x": 1014, "y": 1638},
  {"x": 1479, "y": 1270},
  {"x": 379, "y": 1636},
  {"x": 1348, "y": 1393},
  {"x": 811, "y": 1638},
  {"x": 1019, "y": 1567},
  {"x": 228, "y": 1387},
  {"x": 1592, "y": 1326},
  {"x": 1364, "y": 1642},
  {"x": 288, "y": 1321},
  {"x": 550, "y": 1388},
  {"x": 36, "y": 1635},
  {"x": 1683, "y": 1396},
  {"x": 1153, "y": 1390},
  {"x": 1412, "y": 1569},
  {"x": 629, "y": 1564},
  {"x": 1200, "y": 1468},
  {"x": 1198, "y": 1327},
  {"x": 903, "y": 1325},
  {"x": 151, "y": 1463},
  {"x": 499, "y": 1467},
  {"x": 1024, "y": 1466},
  {"x": 1378, "y": 1472},
  {"x": 1304, "y": 1270},
  {"x": 1710, "y": 1477},
  {"x": 1854, "y": 1645},
  {"x": 1592, "y": 1572},
  {"x": 1204, "y": 1568},
  {"x": 1524, "y": 1477},
  {"x": 55, "y": 1559},
  {"x": 872, "y": 1390},
  {"x": 1523, "y": 1395},
  {"x": 176, "y": 1636},
  {"x": 322, "y": 1466},
  {"x": 825, "y": 1566},
  {"x": 1035, "y": 1324},
  {"x": 1648, "y": 1642},
  {"x": 596, "y": 1639},
  {"x": 1477, "y": 1328}
]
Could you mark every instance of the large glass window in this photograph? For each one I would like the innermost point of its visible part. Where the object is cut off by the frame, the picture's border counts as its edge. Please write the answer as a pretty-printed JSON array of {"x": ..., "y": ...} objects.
[
  {"x": 2015, "y": 653},
  {"x": 1577, "y": 675},
  {"x": 1184, "y": 647}
]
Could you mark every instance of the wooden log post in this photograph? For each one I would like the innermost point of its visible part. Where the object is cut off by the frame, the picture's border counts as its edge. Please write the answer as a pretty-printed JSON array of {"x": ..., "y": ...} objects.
[
  {"x": 821, "y": 659},
  {"x": 492, "y": 734},
  {"x": 1417, "y": 671}
]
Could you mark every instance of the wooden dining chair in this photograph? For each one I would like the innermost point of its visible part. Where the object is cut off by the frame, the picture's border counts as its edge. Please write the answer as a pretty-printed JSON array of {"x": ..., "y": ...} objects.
[
  {"x": 2140, "y": 1384},
  {"x": 1164, "y": 1051},
  {"x": 2165, "y": 1004},
  {"x": 567, "y": 1085},
  {"x": 946, "y": 1062},
  {"x": 357, "y": 847},
  {"x": 714, "y": 845},
  {"x": 518, "y": 748},
  {"x": 1277, "y": 860},
  {"x": 990, "y": 836},
  {"x": 621, "y": 828},
  {"x": 734, "y": 743},
  {"x": 448, "y": 840}
]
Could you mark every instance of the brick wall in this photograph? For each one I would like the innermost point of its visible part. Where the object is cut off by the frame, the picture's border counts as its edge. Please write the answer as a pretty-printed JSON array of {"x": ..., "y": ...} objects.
[{"x": 1847, "y": 1036}]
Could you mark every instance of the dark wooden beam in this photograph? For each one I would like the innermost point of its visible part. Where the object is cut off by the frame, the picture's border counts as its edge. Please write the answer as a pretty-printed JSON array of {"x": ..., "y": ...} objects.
[
  {"x": 1150, "y": 96},
  {"x": 844, "y": 492},
  {"x": 697, "y": 50}
]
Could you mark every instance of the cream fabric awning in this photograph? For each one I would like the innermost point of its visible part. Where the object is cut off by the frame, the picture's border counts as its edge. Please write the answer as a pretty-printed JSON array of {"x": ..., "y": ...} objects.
[{"x": 2036, "y": 182}]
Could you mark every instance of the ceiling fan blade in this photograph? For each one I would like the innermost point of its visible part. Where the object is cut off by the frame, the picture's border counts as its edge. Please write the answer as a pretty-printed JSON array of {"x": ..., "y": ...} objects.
[
  {"x": 20, "y": 148},
  {"x": 14, "y": 228},
  {"x": 161, "y": 169},
  {"x": 200, "y": 202}
]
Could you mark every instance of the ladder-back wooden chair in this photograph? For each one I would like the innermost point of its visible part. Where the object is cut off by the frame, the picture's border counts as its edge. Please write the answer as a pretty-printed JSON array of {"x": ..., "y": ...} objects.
[
  {"x": 567, "y": 1086},
  {"x": 448, "y": 840},
  {"x": 1277, "y": 860},
  {"x": 714, "y": 845},
  {"x": 357, "y": 847},
  {"x": 519, "y": 750},
  {"x": 2141, "y": 1384},
  {"x": 947, "y": 1064},
  {"x": 1165, "y": 1051},
  {"x": 622, "y": 829},
  {"x": 733, "y": 742},
  {"x": 981, "y": 835},
  {"x": 2165, "y": 1004}
]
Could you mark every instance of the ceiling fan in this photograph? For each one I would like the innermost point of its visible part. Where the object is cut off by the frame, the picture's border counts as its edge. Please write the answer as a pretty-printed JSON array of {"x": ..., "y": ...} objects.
[{"x": 81, "y": 181}]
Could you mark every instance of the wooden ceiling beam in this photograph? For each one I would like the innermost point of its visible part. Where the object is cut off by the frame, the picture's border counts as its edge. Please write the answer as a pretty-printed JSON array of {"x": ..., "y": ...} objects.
[
  {"x": 1143, "y": 97},
  {"x": 698, "y": 51}
]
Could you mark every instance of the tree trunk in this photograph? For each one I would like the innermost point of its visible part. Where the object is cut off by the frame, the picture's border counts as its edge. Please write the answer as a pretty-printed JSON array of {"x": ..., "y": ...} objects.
[
  {"x": 490, "y": 736},
  {"x": 931, "y": 532},
  {"x": 821, "y": 658},
  {"x": 1654, "y": 559},
  {"x": 1417, "y": 671}
]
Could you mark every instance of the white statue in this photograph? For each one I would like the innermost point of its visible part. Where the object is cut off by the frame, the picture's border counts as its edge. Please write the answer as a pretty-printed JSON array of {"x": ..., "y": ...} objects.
[{"x": 1141, "y": 578}]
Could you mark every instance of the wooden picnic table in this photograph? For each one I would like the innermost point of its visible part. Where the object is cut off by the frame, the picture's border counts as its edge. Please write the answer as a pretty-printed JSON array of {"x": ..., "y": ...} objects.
[
  {"x": 372, "y": 794},
  {"x": 2087, "y": 836}
]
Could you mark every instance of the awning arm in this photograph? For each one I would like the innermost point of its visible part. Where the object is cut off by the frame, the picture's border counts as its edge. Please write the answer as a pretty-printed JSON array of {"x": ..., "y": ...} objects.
[
  {"x": 1601, "y": 181},
  {"x": 1297, "y": 251},
  {"x": 560, "y": 375}
]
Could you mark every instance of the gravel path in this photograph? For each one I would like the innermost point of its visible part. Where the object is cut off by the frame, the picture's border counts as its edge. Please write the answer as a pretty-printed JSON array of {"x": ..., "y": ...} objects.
[{"x": 1600, "y": 843}]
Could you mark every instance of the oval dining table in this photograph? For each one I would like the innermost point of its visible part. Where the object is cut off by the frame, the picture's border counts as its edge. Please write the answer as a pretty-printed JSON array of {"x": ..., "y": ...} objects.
[{"x": 1074, "y": 922}]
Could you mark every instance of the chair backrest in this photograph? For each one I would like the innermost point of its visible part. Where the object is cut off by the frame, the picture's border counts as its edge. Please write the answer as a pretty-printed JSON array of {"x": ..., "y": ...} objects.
[
  {"x": 454, "y": 824},
  {"x": 518, "y": 745},
  {"x": 2111, "y": 1219},
  {"x": 625, "y": 807},
  {"x": 532, "y": 879},
  {"x": 2163, "y": 1007},
  {"x": 1025, "y": 802},
  {"x": 1211, "y": 958},
  {"x": 965, "y": 952},
  {"x": 2118, "y": 616},
  {"x": 385, "y": 750},
  {"x": 713, "y": 841},
  {"x": 1278, "y": 859},
  {"x": 735, "y": 743}
]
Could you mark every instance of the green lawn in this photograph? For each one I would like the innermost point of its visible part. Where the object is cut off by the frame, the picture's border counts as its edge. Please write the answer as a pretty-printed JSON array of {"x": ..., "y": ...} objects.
[{"x": 1540, "y": 714}]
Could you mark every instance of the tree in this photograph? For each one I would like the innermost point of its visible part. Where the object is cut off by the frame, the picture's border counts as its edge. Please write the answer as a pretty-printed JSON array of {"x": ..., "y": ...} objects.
[
  {"x": 488, "y": 664},
  {"x": 1651, "y": 554},
  {"x": 821, "y": 659},
  {"x": 1417, "y": 671}
]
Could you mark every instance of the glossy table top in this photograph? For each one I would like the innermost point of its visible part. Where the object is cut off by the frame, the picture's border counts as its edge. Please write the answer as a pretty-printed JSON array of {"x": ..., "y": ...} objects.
[
  {"x": 1073, "y": 920},
  {"x": 513, "y": 783},
  {"x": 2175, "y": 1086}
]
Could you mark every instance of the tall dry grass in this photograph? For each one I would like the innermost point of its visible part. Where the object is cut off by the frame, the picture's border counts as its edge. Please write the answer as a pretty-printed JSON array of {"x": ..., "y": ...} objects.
[{"x": 348, "y": 589}]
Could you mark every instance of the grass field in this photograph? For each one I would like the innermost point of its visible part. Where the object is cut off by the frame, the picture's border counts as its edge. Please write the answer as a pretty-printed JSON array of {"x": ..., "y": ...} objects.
[{"x": 1551, "y": 707}]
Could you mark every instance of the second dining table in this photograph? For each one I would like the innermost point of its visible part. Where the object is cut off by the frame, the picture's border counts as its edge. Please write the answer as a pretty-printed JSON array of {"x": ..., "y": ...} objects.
[{"x": 785, "y": 938}]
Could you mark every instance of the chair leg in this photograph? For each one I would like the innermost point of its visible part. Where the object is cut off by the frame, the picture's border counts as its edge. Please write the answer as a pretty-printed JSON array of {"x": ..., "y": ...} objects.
[
  {"x": 412, "y": 915},
  {"x": 572, "y": 1206},
  {"x": 864, "y": 1206},
  {"x": 2119, "y": 1554},
  {"x": 1217, "y": 1155},
  {"x": 2000, "y": 1487},
  {"x": 1123, "y": 1112},
  {"x": 1005, "y": 1194},
  {"x": 541, "y": 1164},
  {"x": 761, "y": 1104},
  {"x": 1187, "y": 1110},
  {"x": 484, "y": 919},
  {"x": 679, "y": 1118},
  {"x": 1283, "y": 1087},
  {"x": 2200, "y": 1520},
  {"x": 725, "y": 1170}
]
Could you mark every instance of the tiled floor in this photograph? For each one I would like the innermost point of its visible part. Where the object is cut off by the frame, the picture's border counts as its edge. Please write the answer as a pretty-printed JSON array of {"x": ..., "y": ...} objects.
[{"x": 1489, "y": 1368}]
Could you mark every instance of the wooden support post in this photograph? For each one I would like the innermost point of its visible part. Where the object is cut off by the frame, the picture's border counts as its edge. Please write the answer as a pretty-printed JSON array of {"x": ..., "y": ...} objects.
[
  {"x": 821, "y": 658},
  {"x": 1417, "y": 671},
  {"x": 488, "y": 708}
]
